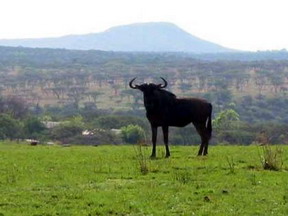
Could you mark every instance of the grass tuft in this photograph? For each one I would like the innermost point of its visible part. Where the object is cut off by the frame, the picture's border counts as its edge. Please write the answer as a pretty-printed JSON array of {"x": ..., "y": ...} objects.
[
  {"x": 271, "y": 157},
  {"x": 183, "y": 176},
  {"x": 231, "y": 164},
  {"x": 141, "y": 158}
]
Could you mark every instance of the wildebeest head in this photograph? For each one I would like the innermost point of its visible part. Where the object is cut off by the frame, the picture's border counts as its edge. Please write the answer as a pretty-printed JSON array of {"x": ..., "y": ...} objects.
[{"x": 151, "y": 92}]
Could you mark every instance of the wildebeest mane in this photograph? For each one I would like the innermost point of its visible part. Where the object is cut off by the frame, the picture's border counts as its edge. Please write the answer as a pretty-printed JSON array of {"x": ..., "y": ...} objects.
[
  {"x": 166, "y": 97},
  {"x": 167, "y": 93}
]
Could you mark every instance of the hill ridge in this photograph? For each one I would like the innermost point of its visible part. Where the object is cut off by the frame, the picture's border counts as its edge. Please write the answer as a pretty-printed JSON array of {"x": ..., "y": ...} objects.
[{"x": 137, "y": 37}]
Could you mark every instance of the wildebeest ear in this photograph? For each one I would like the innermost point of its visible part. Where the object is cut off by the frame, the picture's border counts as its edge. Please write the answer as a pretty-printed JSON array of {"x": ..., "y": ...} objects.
[
  {"x": 131, "y": 84},
  {"x": 165, "y": 83}
]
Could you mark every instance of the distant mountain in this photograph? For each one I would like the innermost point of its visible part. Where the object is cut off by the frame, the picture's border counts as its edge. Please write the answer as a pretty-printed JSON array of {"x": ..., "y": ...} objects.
[{"x": 141, "y": 37}]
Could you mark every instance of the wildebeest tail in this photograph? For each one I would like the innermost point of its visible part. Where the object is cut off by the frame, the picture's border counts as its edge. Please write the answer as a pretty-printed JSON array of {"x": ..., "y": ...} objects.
[{"x": 209, "y": 121}]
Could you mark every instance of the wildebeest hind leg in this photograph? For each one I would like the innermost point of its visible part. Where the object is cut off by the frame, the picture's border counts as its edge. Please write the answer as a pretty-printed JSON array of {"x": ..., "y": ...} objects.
[
  {"x": 202, "y": 131},
  {"x": 200, "y": 149},
  {"x": 205, "y": 152}
]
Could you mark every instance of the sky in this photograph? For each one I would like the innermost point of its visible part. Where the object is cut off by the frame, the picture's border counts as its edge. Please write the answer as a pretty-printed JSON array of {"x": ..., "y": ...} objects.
[{"x": 249, "y": 25}]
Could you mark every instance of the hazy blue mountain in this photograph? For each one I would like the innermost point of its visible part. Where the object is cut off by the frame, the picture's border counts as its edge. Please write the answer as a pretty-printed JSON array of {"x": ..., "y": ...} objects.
[{"x": 142, "y": 37}]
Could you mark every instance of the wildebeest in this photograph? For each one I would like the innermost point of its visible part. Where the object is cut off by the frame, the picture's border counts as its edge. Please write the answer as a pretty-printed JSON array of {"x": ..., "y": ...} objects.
[{"x": 164, "y": 109}]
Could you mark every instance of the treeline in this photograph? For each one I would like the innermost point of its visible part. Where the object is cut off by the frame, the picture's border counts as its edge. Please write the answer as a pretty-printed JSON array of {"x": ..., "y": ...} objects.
[
  {"x": 52, "y": 57},
  {"x": 90, "y": 126},
  {"x": 66, "y": 125}
]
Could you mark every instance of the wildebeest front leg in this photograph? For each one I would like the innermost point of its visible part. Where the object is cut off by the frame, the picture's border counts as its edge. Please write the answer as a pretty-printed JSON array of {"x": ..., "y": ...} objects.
[
  {"x": 154, "y": 139},
  {"x": 165, "y": 135}
]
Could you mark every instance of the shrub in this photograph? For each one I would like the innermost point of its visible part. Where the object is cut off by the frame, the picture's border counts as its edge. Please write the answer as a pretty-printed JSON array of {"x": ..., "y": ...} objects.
[
  {"x": 132, "y": 133},
  {"x": 68, "y": 129}
]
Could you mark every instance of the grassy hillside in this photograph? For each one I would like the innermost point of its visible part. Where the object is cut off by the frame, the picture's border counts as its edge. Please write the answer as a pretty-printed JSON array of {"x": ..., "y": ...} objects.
[
  {"x": 256, "y": 84},
  {"x": 96, "y": 79},
  {"x": 108, "y": 180}
]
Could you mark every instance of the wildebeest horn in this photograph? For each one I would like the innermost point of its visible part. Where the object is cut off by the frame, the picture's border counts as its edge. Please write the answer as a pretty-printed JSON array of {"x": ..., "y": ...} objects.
[
  {"x": 165, "y": 83},
  {"x": 131, "y": 84}
]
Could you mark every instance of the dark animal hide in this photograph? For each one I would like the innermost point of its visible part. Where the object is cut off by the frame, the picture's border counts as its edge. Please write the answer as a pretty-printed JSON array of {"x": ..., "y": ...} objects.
[{"x": 164, "y": 109}]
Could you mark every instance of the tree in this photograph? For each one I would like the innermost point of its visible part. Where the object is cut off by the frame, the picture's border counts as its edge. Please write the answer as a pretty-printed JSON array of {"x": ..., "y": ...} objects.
[
  {"x": 261, "y": 80},
  {"x": 33, "y": 127},
  {"x": 226, "y": 125},
  {"x": 14, "y": 106},
  {"x": 94, "y": 95},
  {"x": 226, "y": 119},
  {"x": 76, "y": 94},
  {"x": 10, "y": 128}
]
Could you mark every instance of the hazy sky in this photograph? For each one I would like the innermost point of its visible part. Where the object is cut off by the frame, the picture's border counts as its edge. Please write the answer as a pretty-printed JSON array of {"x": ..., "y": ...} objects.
[{"x": 240, "y": 24}]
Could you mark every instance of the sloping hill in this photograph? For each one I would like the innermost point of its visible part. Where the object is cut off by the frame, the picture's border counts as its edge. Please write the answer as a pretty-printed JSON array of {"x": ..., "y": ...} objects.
[{"x": 144, "y": 37}]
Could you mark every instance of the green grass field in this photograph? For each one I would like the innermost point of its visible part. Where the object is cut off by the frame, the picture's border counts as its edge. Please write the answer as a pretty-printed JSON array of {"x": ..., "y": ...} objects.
[{"x": 122, "y": 180}]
